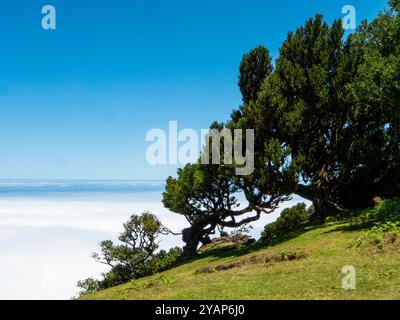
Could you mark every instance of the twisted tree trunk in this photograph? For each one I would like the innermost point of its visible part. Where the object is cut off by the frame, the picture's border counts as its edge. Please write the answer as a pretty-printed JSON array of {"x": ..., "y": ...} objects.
[
  {"x": 323, "y": 206},
  {"x": 193, "y": 236}
]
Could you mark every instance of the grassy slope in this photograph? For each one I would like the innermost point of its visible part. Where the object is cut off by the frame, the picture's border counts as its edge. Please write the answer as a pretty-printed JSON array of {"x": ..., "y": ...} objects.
[{"x": 317, "y": 276}]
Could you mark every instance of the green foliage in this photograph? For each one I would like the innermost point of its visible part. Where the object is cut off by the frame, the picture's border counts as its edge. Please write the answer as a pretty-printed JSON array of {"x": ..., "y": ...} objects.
[
  {"x": 191, "y": 194},
  {"x": 327, "y": 127},
  {"x": 206, "y": 195},
  {"x": 89, "y": 285},
  {"x": 165, "y": 260},
  {"x": 255, "y": 67},
  {"x": 135, "y": 257},
  {"x": 382, "y": 222},
  {"x": 163, "y": 279},
  {"x": 316, "y": 274},
  {"x": 302, "y": 96},
  {"x": 329, "y": 115},
  {"x": 131, "y": 258},
  {"x": 167, "y": 280},
  {"x": 395, "y": 4},
  {"x": 381, "y": 232},
  {"x": 288, "y": 220},
  {"x": 372, "y": 166},
  {"x": 223, "y": 233},
  {"x": 388, "y": 210}
]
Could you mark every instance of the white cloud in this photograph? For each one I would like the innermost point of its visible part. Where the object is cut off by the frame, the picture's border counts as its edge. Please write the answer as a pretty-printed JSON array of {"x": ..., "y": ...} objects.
[{"x": 49, "y": 239}]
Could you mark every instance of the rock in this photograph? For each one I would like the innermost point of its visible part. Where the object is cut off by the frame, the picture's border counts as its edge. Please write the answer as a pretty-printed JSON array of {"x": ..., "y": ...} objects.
[
  {"x": 230, "y": 242},
  {"x": 376, "y": 200},
  {"x": 205, "y": 270},
  {"x": 242, "y": 239},
  {"x": 223, "y": 267}
]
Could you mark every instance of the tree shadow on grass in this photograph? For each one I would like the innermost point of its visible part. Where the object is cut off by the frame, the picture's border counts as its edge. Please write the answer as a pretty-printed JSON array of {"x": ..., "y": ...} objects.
[
  {"x": 241, "y": 250},
  {"x": 353, "y": 227},
  {"x": 348, "y": 221}
]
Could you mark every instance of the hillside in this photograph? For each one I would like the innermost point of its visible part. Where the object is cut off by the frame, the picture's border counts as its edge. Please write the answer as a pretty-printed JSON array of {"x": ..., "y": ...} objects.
[{"x": 305, "y": 264}]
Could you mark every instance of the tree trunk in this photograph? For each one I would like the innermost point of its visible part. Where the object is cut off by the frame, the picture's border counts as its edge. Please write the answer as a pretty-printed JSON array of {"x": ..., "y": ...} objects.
[
  {"x": 322, "y": 206},
  {"x": 205, "y": 240},
  {"x": 192, "y": 237}
]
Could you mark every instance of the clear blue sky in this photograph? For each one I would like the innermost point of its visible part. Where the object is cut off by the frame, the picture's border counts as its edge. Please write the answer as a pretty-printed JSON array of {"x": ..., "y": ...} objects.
[{"x": 77, "y": 102}]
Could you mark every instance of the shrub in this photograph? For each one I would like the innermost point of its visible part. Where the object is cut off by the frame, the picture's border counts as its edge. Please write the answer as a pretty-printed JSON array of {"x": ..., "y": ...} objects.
[
  {"x": 163, "y": 279},
  {"x": 380, "y": 233},
  {"x": 89, "y": 285},
  {"x": 388, "y": 210},
  {"x": 164, "y": 260},
  {"x": 135, "y": 257},
  {"x": 288, "y": 220}
]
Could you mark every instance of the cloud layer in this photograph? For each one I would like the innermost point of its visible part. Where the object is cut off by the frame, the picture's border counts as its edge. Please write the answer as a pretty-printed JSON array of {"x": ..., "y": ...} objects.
[{"x": 46, "y": 238}]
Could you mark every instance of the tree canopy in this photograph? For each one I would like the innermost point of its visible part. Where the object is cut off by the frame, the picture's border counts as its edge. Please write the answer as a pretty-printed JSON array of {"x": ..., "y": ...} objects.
[{"x": 326, "y": 122}]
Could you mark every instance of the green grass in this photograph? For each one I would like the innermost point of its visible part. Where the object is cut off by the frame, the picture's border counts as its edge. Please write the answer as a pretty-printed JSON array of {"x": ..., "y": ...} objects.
[{"x": 305, "y": 264}]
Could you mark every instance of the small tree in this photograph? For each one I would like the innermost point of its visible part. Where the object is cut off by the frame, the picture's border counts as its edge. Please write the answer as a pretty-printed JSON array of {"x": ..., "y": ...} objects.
[
  {"x": 139, "y": 244},
  {"x": 131, "y": 259},
  {"x": 289, "y": 219}
]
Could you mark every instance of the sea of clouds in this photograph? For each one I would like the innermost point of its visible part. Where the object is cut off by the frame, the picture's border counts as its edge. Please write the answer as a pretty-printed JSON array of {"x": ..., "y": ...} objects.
[{"x": 48, "y": 230}]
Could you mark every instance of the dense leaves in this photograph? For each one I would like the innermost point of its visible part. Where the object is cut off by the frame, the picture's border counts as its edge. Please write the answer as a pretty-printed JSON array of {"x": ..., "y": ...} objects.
[
  {"x": 326, "y": 122},
  {"x": 289, "y": 219},
  {"x": 372, "y": 166},
  {"x": 332, "y": 106},
  {"x": 135, "y": 257},
  {"x": 254, "y": 69}
]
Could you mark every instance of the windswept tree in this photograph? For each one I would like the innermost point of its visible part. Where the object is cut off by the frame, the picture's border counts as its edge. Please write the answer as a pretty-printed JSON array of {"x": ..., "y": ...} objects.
[
  {"x": 326, "y": 127},
  {"x": 299, "y": 114},
  {"x": 333, "y": 106},
  {"x": 304, "y": 93},
  {"x": 209, "y": 198},
  {"x": 135, "y": 256},
  {"x": 213, "y": 196}
]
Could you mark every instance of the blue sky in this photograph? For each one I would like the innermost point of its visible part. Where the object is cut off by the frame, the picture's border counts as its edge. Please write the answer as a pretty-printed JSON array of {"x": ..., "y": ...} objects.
[{"x": 76, "y": 102}]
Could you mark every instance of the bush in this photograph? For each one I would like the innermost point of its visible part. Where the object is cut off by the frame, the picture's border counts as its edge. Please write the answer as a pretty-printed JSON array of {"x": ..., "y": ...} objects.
[
  {"x": 388, "y": 210},
  {"x": 135, "y": 257},
  {"x": 164, "y": 260},
  {"x": 288, "y": 220},
  {"x": 89, "y": 285},
  {"x": 381, "y": 232}
]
